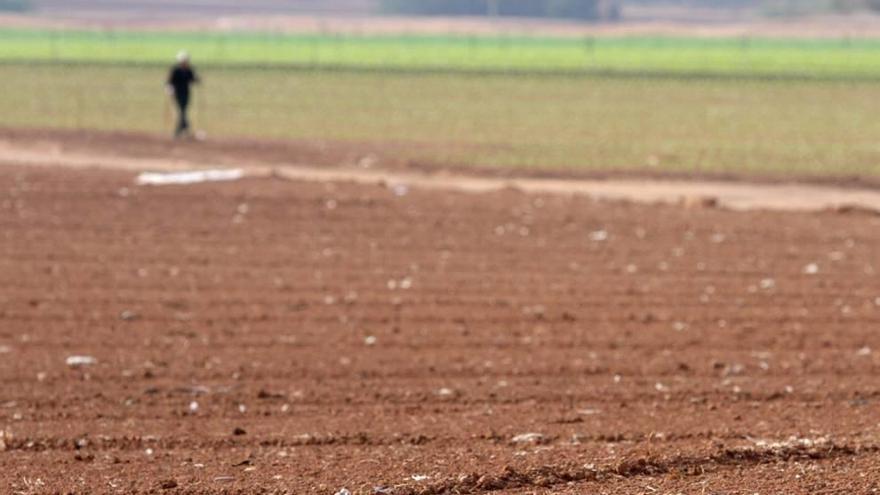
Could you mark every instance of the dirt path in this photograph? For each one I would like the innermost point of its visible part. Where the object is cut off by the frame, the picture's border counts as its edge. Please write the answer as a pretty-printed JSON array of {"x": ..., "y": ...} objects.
[{"x": 725, "y": 194}]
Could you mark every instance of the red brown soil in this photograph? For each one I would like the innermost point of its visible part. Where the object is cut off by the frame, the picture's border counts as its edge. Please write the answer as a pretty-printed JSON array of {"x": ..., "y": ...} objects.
[{"x": 685, "y": 351}]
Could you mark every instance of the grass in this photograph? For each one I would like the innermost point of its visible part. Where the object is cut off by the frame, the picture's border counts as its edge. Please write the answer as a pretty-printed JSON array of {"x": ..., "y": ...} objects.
[
  {"x": 834, "y": 59},
  {"x": 709, "y": 125}
]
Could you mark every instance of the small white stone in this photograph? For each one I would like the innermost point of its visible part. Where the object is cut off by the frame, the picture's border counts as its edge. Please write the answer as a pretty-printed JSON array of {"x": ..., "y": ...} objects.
[
  {"x": 599, "y": 236},
  {"x": 81, "y": 361}
]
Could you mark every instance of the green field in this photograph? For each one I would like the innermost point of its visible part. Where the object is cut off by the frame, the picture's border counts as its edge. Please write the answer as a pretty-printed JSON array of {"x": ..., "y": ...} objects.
[
  {"x": 588, "y": 122},
  {"x": 835, "y": 59}
]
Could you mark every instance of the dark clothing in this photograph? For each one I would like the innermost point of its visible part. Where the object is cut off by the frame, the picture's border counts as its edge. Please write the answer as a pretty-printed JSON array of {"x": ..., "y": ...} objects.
[
  {"x": 182, "y": 121},
  {"x": 180, "y": 79}
]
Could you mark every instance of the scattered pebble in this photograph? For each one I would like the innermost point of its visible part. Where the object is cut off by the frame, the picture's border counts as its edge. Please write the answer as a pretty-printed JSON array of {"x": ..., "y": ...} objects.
[
  {"x": 5, "y": 349},
  {"x": 768, "y": 284},
  {"x": 419, "y": 477},
  {"x": 5, "y": 438},
  {"x": 128, "y": 316},
  {"x": 238, "y": 431},
  {"x": 343, "y": 491},
  {"x": 811, "y": 269},
  {"x": 445, "y": 392},
  {"x": 864, "y": 351},
  {"x": 80, "y": 361},
  {"x": 599, "y": 236},
  {"x": 224, "y": 478},
  {"x": 193, "y": 406},
  {"x": 371, "y": 340}
]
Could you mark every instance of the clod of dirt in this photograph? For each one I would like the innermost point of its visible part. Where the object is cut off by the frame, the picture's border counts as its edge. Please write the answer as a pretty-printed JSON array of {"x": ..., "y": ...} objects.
[
  {"x": 239, "y": 432},
  {"x": 168, "y": 484},
  {"x": 699, "y": 202},
  {"x": 857, "y": 209},
  {"x": 264, "y": 394},
  {"x": 75, "y": 361}
]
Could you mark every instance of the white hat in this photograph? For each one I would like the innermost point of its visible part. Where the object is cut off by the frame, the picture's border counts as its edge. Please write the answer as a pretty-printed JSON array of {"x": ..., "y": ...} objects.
[{"x": 182, "y": 56}]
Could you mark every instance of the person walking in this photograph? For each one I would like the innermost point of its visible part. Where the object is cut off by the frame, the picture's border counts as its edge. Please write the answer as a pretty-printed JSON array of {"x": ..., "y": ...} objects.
[{"x": 180, "y": 79}]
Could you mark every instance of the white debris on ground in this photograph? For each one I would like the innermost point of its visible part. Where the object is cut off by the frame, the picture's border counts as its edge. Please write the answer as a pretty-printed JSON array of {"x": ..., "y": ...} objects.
[
  {"x": 790, "y": 443},
  {"x": 599, "y": 236},
  {"x": 528, "y": 438},
  {"x": 80, "y": 361},
  {"x": 5, "y": 439},
  {"x": 811, "y": 269},
  {"x": 343, "y": 491},
  {"x": 370, "y": 340},
  {"x": 419, "y": 477},
  {"x": 190, "y": 177}
]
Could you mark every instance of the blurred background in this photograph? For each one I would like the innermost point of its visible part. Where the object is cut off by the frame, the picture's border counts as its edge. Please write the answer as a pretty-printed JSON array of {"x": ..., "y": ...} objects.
[{"x": 773, "y": 87}]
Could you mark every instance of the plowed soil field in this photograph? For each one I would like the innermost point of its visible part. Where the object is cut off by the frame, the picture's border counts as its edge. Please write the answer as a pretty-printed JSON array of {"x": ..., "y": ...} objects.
[{"x": 272, "y": 336}]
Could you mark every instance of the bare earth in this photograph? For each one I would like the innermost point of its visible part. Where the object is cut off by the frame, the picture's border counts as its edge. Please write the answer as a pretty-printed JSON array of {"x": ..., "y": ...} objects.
[{"x": 291, "y": 336}]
